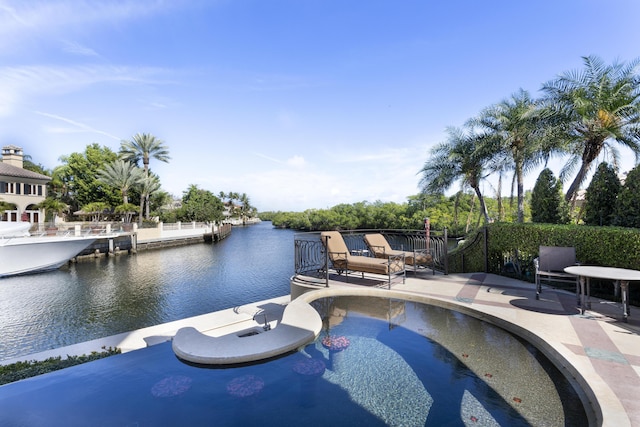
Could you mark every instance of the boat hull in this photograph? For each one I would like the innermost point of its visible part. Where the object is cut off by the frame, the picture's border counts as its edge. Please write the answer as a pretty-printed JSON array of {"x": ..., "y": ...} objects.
[{"x": 24, "y": 255}]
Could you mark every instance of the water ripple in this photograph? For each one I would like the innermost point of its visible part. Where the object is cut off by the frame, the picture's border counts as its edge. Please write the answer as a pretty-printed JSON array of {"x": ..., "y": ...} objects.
[{"x": 105, "y": 296}]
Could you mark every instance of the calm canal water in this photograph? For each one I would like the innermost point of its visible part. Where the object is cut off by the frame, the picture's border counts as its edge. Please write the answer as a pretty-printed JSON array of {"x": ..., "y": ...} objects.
[{"x": 107, "y": 296}]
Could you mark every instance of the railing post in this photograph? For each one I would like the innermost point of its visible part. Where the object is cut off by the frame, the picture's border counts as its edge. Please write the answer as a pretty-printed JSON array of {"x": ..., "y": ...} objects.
[
  {"x": 326, "y": 262},
  {"x": 486, "y": 249},
  {"x": 446, "y": 252}
]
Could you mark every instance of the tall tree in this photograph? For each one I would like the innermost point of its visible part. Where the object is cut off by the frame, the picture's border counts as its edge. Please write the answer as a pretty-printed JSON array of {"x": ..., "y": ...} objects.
[
  {"x": 628, "y": 202},
  {"x": 200, "y": 205},
  {"x": 514, "y": 131},
  {"x": 456, "y": 159},
  {"x": 122, "y": 175},
  {"x": 599, "y": 107},
  {"x": 246, "y": 210},
  {"x": 547, "y": 203},
  {"x": 76, "y": 181},
  {"x": 142, "y": 148},
  {"x": 149, "y": 185},
  {"x": 601, "y": 195}
]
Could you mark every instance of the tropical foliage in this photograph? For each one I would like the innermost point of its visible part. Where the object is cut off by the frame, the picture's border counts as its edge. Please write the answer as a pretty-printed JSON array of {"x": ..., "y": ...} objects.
[
  {"x": 598, "y": 108},
  {"x": 547, "y": 203},
  {"x": 459, "y": 214},
  {"x": 628, "y": 201},
  {"x": 142, "y": 148},
  {"x": 199, "y": 205},
  {"x": 601, "y": 195},
  {"x": 76, "y": 181},
  {"x": 457, "y": 159},
  {"x": 583, "y": 114}
]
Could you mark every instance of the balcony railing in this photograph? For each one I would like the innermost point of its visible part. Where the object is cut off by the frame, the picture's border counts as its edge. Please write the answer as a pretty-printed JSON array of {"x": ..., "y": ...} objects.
[{"x": 311, "y": 258}]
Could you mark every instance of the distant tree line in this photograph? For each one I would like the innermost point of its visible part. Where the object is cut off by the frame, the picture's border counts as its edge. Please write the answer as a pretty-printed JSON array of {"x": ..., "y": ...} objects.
[
  {"x": 100, "y": 184},
  {"x": 459, "y": 213}
]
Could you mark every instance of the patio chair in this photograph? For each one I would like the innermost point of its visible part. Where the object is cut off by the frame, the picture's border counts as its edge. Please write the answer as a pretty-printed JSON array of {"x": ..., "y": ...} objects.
[
  {"x": 343, "y": 260},
  {"x": 380, "y": 248},
  {"x": 550, "y": 265}
]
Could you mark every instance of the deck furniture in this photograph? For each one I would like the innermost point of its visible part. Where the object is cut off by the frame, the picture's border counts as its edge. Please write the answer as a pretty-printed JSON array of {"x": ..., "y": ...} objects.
[
  {"x": 342, "y": 259},
  {"x": 550, "y": 266},
  {"x": 380, "y": 247},
  {"x": 623, "y": 275}
]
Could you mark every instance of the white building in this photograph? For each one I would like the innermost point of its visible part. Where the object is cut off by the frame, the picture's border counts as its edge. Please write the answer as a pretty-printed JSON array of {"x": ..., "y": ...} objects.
[{"x": 20, "y": 187}]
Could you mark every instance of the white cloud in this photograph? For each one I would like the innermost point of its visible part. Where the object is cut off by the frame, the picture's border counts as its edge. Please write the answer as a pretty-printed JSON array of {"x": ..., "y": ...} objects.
[
  {"x": 76, "y": 126},
  {"x": 77, "y": 49},
  {"x": 19, "y": 84},
  {"x": 296, "y": 161}
]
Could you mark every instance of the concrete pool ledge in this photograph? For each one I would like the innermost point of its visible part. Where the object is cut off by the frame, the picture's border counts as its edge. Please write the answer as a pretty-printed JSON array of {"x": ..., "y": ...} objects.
[{"x": 299, "y": 326}]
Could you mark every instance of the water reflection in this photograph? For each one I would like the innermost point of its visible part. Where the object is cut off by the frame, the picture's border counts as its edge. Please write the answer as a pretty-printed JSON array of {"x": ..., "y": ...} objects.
[
  {"x": 472, "y": 360},
  {"x": 106, "y": 296}
]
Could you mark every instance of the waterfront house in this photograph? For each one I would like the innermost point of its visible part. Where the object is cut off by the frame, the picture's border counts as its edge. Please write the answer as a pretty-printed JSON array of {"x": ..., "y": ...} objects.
[{"x": 21, "y": 188}]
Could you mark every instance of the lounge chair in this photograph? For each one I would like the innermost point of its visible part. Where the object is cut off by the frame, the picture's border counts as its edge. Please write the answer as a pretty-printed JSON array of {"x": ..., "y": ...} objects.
[
  {"x": 550, "y": 265},
  {"x": 380, "y": 248},
  {"x": 343, "y": 260}
]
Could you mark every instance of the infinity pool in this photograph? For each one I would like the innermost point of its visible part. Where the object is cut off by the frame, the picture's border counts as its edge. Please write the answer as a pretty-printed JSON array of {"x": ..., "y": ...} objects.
[{"x": 393, "y": 363}]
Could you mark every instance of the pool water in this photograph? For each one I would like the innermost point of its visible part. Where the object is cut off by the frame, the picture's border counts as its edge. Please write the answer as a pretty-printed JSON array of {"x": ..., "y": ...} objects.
[{"x": 401, "y": 363}]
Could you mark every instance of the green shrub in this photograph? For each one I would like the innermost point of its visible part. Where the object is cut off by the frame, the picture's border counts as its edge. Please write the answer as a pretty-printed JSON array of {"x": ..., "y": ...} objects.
[
  {"x": 21, "y": 370},
  {"x": 511, "y": 248}
]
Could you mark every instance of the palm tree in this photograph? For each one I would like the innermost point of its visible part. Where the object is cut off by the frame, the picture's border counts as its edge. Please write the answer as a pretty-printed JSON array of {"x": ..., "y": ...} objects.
[
  {"x": 149, "y": 185},
  {"x": 599, "y": 106},
  {"x": 515, "y": 132},
  {"x": 54, "y": 206},
  {"x": 246, "y": 210},
  {"x": 121, "y": 174},
  {"x": 457, "y": 159},
  {"x": 143, "y": 147}
]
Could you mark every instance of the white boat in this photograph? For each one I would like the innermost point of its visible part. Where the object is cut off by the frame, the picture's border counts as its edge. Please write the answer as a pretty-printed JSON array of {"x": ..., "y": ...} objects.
[{"x": 21, "y": 253}]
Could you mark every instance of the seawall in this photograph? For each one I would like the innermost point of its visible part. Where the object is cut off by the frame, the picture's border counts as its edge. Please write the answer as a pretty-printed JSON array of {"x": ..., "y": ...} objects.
[{"x": 131, "y": 242}]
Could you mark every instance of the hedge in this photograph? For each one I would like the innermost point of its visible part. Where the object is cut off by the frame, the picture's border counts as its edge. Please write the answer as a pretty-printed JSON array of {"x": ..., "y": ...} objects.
[{"x": 511, "y": 248}]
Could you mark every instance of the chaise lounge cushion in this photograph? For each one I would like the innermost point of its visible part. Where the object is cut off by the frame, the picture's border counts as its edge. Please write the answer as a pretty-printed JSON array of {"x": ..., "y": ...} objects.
[
  {"x": 343, "y": 260},
  {"x": 378, "y": 244}
]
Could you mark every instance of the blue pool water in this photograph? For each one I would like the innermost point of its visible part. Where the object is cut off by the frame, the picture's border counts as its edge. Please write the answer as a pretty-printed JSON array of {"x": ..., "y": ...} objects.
[{"x": 405, "y": 364}]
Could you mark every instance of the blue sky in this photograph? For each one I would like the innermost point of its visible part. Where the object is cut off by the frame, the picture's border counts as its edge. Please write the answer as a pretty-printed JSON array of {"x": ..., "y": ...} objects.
[{"x": 300, "y": 104}]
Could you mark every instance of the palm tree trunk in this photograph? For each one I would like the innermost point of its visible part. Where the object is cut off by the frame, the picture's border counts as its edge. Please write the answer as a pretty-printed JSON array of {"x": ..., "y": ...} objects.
[
  {"x": 140, "y": 215},
  {"x": 575, "y": 185},
  {"x": 473, "y": 202},
  {"x": 483, "y": 206},
  {"x": 499, "y": 198},
  {"x": 520, "y": 180}
]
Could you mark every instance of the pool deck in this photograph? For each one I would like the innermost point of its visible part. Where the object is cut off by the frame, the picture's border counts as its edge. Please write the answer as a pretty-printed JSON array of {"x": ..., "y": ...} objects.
[{"x": 597, "y": 349}]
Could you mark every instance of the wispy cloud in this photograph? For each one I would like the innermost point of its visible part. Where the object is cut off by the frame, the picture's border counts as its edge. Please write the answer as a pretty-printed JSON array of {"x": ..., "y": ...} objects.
[
  {"x": 77, "y": 49},
  {"x": 76, "y": 126},
  {"x": 295, "y": 161},
  {"x": 19, "y": 84},
  {"x": 269, "y": 158},
  {"x": 49, "y": 15}
]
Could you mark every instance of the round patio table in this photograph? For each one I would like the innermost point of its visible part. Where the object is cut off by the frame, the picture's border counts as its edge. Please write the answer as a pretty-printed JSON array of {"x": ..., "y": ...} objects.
[{"x": 621, "y": 275}]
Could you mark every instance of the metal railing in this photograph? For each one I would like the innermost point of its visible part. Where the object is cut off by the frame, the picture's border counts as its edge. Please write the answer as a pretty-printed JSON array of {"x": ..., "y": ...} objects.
[{"x": 311, "y": 258}]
